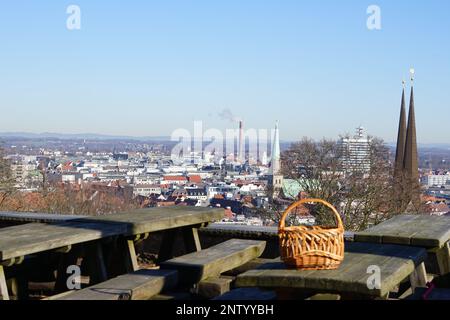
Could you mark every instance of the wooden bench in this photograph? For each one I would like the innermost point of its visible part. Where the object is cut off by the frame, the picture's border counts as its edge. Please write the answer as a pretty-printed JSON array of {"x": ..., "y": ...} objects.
[
  {"x": 214, "y": 261},
  {"x": 139, "y": 285}
]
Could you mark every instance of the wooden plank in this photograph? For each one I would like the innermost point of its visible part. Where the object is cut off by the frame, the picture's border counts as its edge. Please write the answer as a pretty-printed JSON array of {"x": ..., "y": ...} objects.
[
  {"x": 4, "y": 295},
  {"x": 398, "y": 267},
  {"x": 395, "y": 263},
  {"x": 213, "y": 261},
  {"x": 376, "y": 234},
  {"x": 213, "y": 287},
  {"x": 350, "y": 271},
  {"x": 418, "y": 278},
  {"x": 59, "y": 296},
  {"x": 432, "y": 231},
  {"x": 419, "y": 230},
  {"x": 324, "y": 297},
  {"x": 36, "y": 217},
  {"x": 37, "y": 237},
  {"x": 254, "y": 264},
  {"x": 402, "y": 233},
  {"x": 443, "y": 259},
  {"x": 158, "y": 219},
  {"x": 383, "y": 228},
  {"x": 140, "y": 285},
  {"x": 131, "y": 255},
  {"x": 191, "y": 239}
]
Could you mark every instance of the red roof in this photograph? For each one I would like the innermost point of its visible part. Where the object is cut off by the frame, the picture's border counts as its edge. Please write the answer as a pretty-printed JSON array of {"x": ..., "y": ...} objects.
[
  {"x": 174, "y": 178},
  {"x": 195, "y": 179}
]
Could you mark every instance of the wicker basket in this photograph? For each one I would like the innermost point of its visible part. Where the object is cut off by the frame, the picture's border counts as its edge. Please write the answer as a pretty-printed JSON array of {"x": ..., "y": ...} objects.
[{"x": 311, "y": 247}]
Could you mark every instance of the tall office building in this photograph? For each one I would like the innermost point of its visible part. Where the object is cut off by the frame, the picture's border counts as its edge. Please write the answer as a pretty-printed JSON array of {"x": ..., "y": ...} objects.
[{"x": 355, "y": 152}]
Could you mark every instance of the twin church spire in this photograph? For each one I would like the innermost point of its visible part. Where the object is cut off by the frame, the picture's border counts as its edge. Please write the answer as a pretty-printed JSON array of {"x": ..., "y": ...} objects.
[{"x": 406, "y": 171}]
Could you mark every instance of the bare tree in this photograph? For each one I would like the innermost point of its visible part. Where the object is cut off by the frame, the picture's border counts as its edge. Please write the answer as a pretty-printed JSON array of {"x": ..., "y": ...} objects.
[
  {"x": 363, "y": 195},
  {"x": 6, "y": 179}
]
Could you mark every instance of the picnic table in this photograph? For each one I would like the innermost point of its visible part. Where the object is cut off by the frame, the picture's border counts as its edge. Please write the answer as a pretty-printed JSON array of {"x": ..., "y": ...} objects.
[
  {"x": 25, "y": 217},
  {"x": 430, "y": 232},
  {"x": 120, "y": 231},
  {"x": 355, "y": 278}
]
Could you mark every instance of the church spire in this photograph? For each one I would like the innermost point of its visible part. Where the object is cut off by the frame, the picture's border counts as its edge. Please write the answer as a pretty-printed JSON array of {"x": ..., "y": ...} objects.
[
  {"x": 411, "y": 164},
  {"x": 401, "y": 138},
  {"x": 275, "y": 181},
  {"x": 275, "y": 166}
]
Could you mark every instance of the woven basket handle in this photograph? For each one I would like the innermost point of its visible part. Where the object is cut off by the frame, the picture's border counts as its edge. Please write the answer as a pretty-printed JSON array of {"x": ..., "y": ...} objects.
[{"x": 340, "y": 225}]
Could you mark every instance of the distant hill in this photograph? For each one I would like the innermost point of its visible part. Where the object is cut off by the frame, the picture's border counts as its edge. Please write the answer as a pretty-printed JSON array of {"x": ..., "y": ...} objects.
[
  {"x": 285, "y": 144},
  {"x": 76, "y": 136}
]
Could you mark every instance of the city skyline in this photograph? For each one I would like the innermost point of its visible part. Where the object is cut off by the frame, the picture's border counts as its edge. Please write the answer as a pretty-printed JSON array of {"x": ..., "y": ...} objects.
[{"x": 148, "y": 70}]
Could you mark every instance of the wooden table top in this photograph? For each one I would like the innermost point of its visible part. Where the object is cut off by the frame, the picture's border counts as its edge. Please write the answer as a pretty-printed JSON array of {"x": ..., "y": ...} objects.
[
  {"x": 32, "y": 238},
  {"x": 395, "y": 262},
  {"x": 159, "y": 219},
  {"x": 416, "y": 230},
  {"x": 35, "y": 217},
  {"x": 37, "y": 237}
]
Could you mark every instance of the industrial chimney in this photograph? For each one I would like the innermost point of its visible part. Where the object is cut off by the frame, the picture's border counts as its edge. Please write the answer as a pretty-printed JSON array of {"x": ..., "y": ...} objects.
[{"x": 241, "y": 157}]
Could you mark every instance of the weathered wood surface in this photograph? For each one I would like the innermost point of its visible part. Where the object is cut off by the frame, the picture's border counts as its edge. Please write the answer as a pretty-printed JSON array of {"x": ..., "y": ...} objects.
[
  {"x": 213, "y": 287},
  {"x": 395, "y": 262},
  {"x": 254, "y": 232},
  {"x": 419, "y": 278},
  {"x": 443, "y": 258},
  {"x": 31, "y": 238},
  {"x": 36, "y": 217},
  {"x": 213, "y": 261},
  {"x": 37, "y": 237},
  {"x": 254, "y": 264},
  {"x": 249, "y": 232},
  {"x": 4, "y": 294},
  {"x": 140, "y": 285},
  {"x": 159, "y": 219},
  {"x": 416, "y": 230}
]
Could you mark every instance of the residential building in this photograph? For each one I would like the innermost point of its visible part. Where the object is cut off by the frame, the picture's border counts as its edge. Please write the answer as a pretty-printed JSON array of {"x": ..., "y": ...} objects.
[{"x": 436, "y": 180}]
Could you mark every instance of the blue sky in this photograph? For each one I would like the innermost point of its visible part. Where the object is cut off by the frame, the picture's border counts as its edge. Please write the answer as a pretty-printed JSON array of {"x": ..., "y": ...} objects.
[{"x": 149, "y": 67}]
